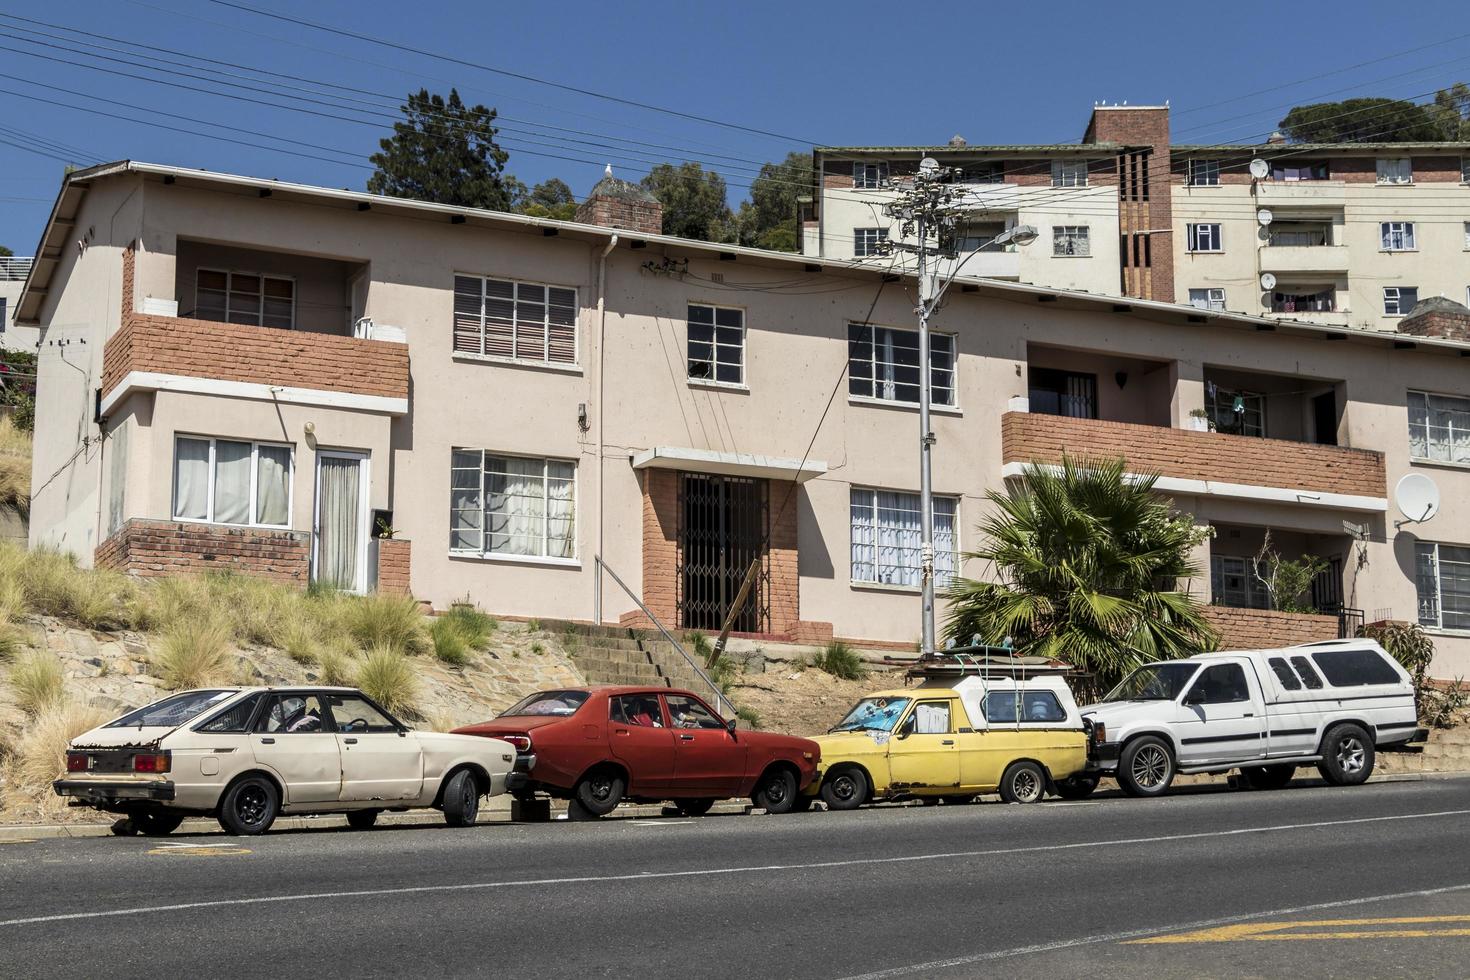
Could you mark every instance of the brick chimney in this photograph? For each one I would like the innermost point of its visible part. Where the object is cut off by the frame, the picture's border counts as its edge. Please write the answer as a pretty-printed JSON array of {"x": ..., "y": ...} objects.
[
  {"x": 1145, "y": 213},
  {"x": 619, "y": 204},
  {"x": 1437, "y": 316}
]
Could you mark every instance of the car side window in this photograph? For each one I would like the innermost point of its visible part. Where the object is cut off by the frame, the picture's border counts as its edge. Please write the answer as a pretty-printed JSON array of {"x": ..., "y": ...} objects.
[
  {"x": 928, "y": 718},
  {"x": 234, "y": 719},
  {"x": 292, "y": 714},
  {"x": 689, "y": 713},
  {"x": 1285, "y": 674},
  {"x": 1220, "y": 684},
  {"x": 353, "y": 713},
  {"x": 636, "y": 709},
  {"x": 1355, "y": 668},
  {"x": 1308, "y": 673}
]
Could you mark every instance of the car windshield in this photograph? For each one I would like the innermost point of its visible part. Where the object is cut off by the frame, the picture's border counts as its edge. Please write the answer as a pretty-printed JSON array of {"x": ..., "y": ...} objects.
[
  {"x": 172, "y": 711},
  {"x": 558, "y": 703},
  {"x": 873, "y": 714},
  {"x": 1156, "y": 682}
]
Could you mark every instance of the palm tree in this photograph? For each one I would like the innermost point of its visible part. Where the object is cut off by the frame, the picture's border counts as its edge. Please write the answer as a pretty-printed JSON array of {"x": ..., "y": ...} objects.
[{"x": 1089, "y": 560}]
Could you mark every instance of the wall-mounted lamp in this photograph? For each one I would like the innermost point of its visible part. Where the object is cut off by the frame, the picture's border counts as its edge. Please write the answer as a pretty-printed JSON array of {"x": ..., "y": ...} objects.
[
  {"x": 1121, "y": 377},
  {"x": 310, "y": 430},
  {"x": 582, "y": 416}
]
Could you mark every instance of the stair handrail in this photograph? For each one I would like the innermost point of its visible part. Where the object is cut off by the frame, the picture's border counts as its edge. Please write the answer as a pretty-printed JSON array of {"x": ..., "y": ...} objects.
[{"x": 720, "y": 697}]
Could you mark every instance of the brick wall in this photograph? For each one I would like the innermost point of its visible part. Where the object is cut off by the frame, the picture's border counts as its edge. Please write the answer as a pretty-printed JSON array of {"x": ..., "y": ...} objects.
[
  {"x": 645, "y": 217},
  {"x": 129, "y": 266},
  {"x": 1191, "y": 455},
  {"x": 393, "y": 562},
  {"x": 157, "y": 548},
  {"x": 1142, "y": 127},
  {"x": 1444, "y": 319},
  {"x": 261, "y": 355},
  {"x": 783, "y": 590},
  {"x": 1255, "y": 629}
]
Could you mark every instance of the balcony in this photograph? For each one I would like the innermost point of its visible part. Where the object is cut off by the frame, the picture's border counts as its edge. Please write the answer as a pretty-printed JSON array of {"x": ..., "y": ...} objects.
[
  {"x": 15, "y": 268},
  {"x": 1324, "y": 193},
  {"x": 1304, "y": 258},
  {"x": 988, "y": 197},
  {"x": 1206, "y": 463},
  {"x": 986, "y": 264}
]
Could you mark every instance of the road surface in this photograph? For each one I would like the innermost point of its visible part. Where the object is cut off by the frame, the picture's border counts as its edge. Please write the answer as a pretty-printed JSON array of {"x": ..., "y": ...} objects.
[{"x": 1307, "y": 881}]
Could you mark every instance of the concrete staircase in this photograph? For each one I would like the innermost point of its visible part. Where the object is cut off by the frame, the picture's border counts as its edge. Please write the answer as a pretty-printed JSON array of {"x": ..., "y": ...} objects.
[{"x": 615, "y": 655}]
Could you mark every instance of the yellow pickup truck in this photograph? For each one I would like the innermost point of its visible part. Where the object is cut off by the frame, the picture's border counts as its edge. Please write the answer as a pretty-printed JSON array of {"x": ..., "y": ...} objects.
[{"x": 952, "y": 740}]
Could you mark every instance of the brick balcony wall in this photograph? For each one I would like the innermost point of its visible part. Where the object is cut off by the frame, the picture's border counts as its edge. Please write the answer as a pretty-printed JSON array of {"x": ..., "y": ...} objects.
[
  {"x": 258, "y": 355},
  {"x": 153, "y": 549},
  {"x": 1190, "y": 455},
  {"x": 1257, "y": 629},
  {"x": 393, "y": 562}
]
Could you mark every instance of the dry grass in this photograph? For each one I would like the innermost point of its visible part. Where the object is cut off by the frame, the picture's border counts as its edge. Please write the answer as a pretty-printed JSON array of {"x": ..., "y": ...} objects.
[
  {"x": 386, "y": 675},
  {"x": 450, "y": 645},
  {"x": 37, "y": 681},
  {"x": 39, "y": 754},
  {"x": 385, "y": 621},
  {"x": 15, "y": 468},
  {"x": 193, "y": 654},
  {"x": 335, "y": 668},
  {"x": 53, "y": 585}
]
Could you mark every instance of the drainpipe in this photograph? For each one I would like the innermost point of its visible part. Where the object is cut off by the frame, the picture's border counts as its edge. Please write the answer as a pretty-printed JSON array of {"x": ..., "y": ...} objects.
[{"x": 612, "y": 243}]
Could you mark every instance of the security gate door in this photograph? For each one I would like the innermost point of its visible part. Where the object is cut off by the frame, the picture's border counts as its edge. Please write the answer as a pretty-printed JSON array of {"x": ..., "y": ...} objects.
[{"x": 723, "y": 522}]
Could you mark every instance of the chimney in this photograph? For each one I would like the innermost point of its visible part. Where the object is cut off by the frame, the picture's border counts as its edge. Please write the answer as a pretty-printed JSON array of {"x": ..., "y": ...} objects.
[
  {"x": 616, "y": 203},
  {"x": 1439, "y": 317}
]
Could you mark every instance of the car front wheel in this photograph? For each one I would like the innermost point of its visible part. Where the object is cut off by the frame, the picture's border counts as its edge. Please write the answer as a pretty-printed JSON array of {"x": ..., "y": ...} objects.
[
  {"x": 249, "y": 807},
  {"x": 1023, "y": 782},
  {"x": 776, "y": 792},
  {"x": 1347, "y": 756},
  {"x": 1146, "y": 767},
  {"x": 461, "y": 800},
  {"x": 845, "y": 789},
  {"x": 600, "y": 792}
]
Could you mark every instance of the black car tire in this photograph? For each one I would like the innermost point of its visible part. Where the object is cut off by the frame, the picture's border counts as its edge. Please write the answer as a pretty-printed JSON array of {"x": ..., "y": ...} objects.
[
  {"x": 1076, "y": 787},
  {"x": 155, "y": 823},
  {"x": 1146, "y": 767},
  {"x": 1023, "y": 782},
  {"x": 845, "y": 789},
  {"x": 957, "y": 800},
  {"x": 461, "y": 804},
  {"x": 1268, "y": 777},
  {"x": 1347, "y": 756},
  {"x": 695, "y": 807},
  {"x": 776, "y": 792},
  {"x": 249, "y": 806},
  {"x": 600, "y": 791},
  {"x": 362, "y": 819}
]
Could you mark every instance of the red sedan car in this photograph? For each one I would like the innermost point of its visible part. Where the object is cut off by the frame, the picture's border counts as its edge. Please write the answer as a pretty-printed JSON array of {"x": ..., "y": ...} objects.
[{"x": 598, "y": 746}]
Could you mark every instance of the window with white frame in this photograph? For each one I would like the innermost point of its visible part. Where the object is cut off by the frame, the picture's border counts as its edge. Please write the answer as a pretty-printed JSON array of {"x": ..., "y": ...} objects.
[
  {"x": 1439, "y": 427},
  {"x": 245, "y": 297},
  {"x": 1204, "y": 238},
  {"x": 869, "y": 176},
  {"x": 883, "y": 362},
  {"x": 865, "y": 241},
  {"x": 1069, "y": 173},
  {"x": 225, "y": 481},
  {"x": 512, "y": 506},
  {"x": 1207, "y": 299},
  {"x": 1204, "y": 173},
  {"x": 1442, "y": 579},
  {"x": 716, "y": 344},
  {"x": 1397, "y": 236},
  {"x": 886, "y": 538},
  {"x": 1399, "y": 300},
  {"x": 1395, "y": 170},
  {"x": 517, "y": 321},
  {"x": 1070, "y": 240}
]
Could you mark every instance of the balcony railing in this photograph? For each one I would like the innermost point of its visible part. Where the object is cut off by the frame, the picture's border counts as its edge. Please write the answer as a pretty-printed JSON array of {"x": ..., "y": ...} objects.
[{"x": 14, "y": 268}]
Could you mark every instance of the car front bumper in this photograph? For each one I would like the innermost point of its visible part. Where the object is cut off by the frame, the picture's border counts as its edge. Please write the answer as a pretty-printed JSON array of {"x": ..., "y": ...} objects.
[{"x": 95, "y": 791}]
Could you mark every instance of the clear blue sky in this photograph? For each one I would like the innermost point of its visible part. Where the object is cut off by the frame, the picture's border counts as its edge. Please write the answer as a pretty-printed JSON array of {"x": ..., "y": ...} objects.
[{"x": 838, "y": 73}]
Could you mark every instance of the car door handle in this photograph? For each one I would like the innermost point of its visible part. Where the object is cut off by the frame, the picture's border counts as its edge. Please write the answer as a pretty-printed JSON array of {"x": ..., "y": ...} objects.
[
  {"x": 267, "y": 741},
  {"x": 686, "y": 738},
  {"x": 350, "y": 741},
  {"x": 948, "y": 741},
  {"x": 620, "y": 731},
  {"x": 1249, "y": 714}
]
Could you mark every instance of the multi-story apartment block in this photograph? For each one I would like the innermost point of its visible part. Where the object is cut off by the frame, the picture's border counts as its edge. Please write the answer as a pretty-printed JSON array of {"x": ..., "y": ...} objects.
[
  {"x": 269, "y": 377},
  {"x": 1336, "y": 234}
]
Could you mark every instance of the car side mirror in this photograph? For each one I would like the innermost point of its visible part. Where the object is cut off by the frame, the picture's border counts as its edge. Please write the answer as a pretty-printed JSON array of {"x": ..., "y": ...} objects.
[
  {"x": 731, "y": 725},
  {"x": 1195, "y": 696}
]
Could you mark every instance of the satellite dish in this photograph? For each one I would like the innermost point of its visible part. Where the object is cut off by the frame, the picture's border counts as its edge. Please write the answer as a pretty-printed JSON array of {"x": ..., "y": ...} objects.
[
  {"x": 1265, "y": 217},
  {"x": 1268, "y": 281},
  {"x": 928, "y": 165},
  {"x": 1417, "y": 498},
  {"x": 1260, "y": 168}
]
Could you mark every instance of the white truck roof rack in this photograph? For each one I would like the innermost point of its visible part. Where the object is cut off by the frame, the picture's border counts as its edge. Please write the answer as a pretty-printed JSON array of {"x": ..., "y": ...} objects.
[{"x": 983, "y": 661}]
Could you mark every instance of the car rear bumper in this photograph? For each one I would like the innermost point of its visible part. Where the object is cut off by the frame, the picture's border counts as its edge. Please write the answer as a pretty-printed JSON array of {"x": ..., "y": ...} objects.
[
  {"x": 1102, "y": 756},
  {"x": 96, "y": 791},
  {"x": 1414, "y": 742}
]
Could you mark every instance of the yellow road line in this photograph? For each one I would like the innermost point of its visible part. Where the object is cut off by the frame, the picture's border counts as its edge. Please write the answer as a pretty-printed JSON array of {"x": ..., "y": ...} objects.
[{"x": 1325, "y": 929}]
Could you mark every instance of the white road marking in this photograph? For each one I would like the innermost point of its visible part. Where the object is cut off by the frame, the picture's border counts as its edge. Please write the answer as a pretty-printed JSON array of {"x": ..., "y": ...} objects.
[
  {"x": 1113, "y": 937},
  {"x": 184, "y": 843},
  {"x": 707, "y": 872}
]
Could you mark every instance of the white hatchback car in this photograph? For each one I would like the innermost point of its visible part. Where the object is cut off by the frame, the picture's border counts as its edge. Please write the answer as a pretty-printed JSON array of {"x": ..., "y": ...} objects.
[{"x": 245, "y": 755}]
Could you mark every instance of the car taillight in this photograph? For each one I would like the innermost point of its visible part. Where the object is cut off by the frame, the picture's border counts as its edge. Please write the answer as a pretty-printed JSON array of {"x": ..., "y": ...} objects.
[
  {"x": 152, "y": 762},
  {"x": 521, "y": 742},
  {"x": 78, "y": 762}
]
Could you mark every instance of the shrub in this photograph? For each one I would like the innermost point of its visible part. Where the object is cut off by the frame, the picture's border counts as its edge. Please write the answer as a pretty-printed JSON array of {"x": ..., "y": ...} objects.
[
  {"x": 176, "y": 599},
  {"x": 450, "y": 645},
  {"x": 385, "y": 621},
  {"x": 335, "y": 667},
  {"x": 533, "y": 625},
  {"x": 54, "y": 585},
  {"x": 840, "y": 660},
  {"x": 474, "y": 626},
  {"x": 37, "y": 680},
  {"x": 297, "y": 636},
  {"x": 12, "y": 641},
  {"x": 1443, "y": 707},
  {"x": 12, "y": 597},
  {"x": 39, "y": 755},
  {"x": 750, "y": 716},
  {"x": 193, "y": 654},
  {"x": 387, "y": 676}
]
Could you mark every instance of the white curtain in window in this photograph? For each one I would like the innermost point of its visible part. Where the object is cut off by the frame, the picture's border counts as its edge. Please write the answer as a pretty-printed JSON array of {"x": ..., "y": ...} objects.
[
  {"x": 191, "y": 479},
  {"x": 945, "y": 543},
  {"x": 231, "y": 482},
  {"x": 273, "y": 486},
  {"x": 339, "y": 523},
  {"x": 884, "y": 360},
  {"x": 898, "y": 538},
  {"x": 561, "y": 511},
  {"x": 863, "y": 539},
  {"x": 931, "y": 719},
  {"x": 515, "y": 505}
]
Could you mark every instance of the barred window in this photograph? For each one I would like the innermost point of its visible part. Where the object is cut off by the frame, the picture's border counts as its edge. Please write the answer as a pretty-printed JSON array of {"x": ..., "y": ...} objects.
[
  {"x": 886, "y": 538},
  {"x": 517, "y": 321},
  {"x": 883, "y": 362}
]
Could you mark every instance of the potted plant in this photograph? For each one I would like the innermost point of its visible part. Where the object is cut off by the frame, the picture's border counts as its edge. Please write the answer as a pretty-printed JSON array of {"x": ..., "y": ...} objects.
[{"x": 1199, "y": 421}]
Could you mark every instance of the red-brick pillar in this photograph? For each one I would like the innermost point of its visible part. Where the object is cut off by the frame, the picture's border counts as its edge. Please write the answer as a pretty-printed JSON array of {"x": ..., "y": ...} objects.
[
  {"x": 660, "y": 549},
  {"x": 393, "y": 562}
]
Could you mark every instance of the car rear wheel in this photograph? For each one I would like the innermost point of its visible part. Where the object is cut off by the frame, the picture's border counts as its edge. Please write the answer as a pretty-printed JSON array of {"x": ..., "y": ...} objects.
[
  {"x": 599, "y": 792},
  {"x": 1076, "y": 787},
  {"x": 249, "y": 807},
  {"x": 362, "y": 819},
  {"x": 845, "y": 789},
  {"x": 461, "y": 800},
  {"x": 1268, "y": 777},
  {"x": 155, "y": 823},
  {"x": 1023, "y": 782},
  {"x": 1347, "y": 756},
  {"x": 694, "y": 808},
  {"x": 1146, "y": 767},
  {"x": 776, "y": 792}
]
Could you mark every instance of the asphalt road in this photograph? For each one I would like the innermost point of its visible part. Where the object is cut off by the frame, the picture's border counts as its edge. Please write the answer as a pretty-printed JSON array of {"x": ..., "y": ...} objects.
[{"x": 1208, "y": 883}]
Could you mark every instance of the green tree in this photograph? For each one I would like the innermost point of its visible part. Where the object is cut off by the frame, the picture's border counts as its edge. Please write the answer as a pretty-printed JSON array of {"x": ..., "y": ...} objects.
[
  {"x": 549, "y": 199},
  {"x": 1089, "y": 561},
  {"x": 1370, "y": 120},
  {"x": 768, "y": 219},
  {"x": 694, "y": 201},
  {"x": 5, "y": 252},
  {"x": 444, "y": 151},
  {"x": 1451, "y": 111}
]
